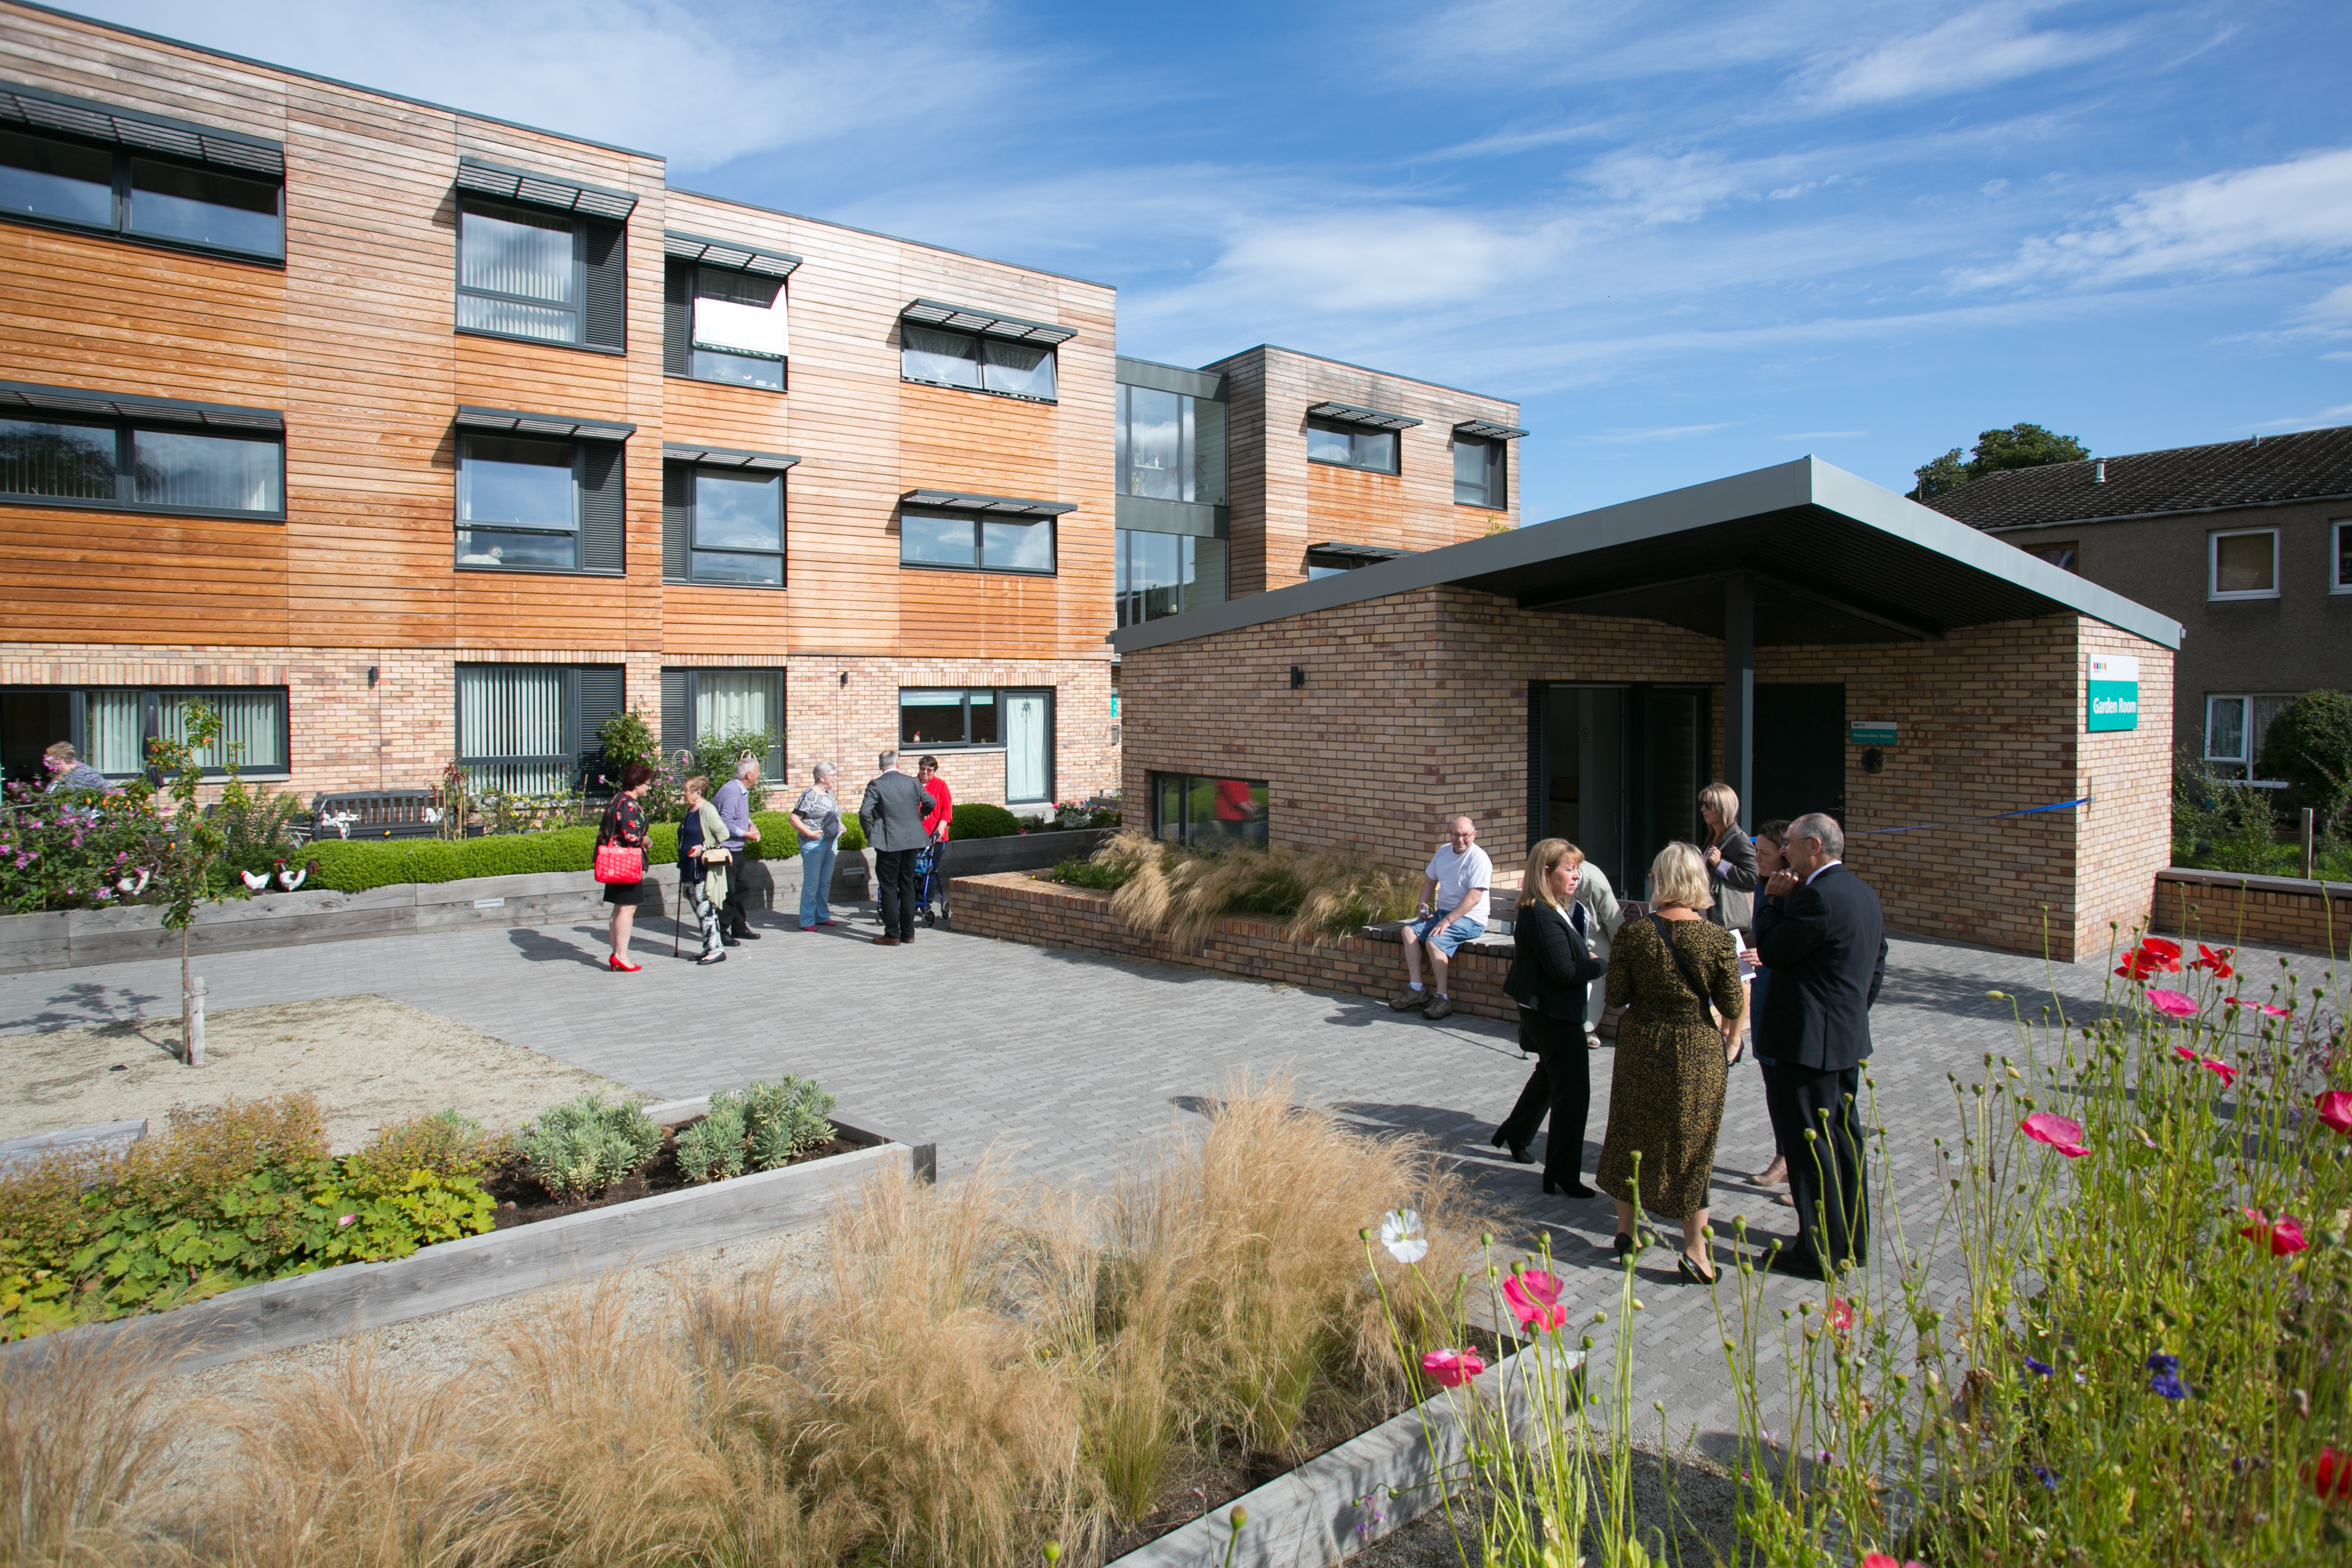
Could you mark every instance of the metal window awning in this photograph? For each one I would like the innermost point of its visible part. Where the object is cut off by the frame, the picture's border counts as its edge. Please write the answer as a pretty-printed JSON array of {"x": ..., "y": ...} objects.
[
  {"x": 18, "y": 396},
  {"x": 1331, "y": 553},
  {"x": 726, "y": 253},
  {"x": 544, "y": 190},
  {"x": 513, "y": 422},
  {"x": 995, "y": 506},
  {"x": 1486, "y": 430},
  {"x": 1370, "y": 419},
  {"x": 727, "y": 458},
  {"x": 40, "y": 111},
  {"x": 990, "y": 323}
]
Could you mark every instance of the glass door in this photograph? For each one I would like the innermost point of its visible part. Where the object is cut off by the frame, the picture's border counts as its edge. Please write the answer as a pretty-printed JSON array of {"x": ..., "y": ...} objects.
[
  {"x": 1618, "y": 771},
  {"x": 1029, "y": 746}
]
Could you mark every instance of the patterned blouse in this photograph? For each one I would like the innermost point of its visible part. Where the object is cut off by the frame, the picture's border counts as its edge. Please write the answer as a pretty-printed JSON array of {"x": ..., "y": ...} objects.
[{"x": 624, "y": 823}]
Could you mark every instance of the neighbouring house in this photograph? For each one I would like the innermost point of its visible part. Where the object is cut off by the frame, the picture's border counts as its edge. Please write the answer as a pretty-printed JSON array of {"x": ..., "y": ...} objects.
[
  {"x": 2247, "y": 544},
  {"x": 1992, "y": 731}
]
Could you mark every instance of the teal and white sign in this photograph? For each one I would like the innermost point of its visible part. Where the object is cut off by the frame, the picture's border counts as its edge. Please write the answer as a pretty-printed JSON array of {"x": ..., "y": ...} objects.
[
  {"x": 2115, "y": 692},
  {"x": 1870, "y": 732}
]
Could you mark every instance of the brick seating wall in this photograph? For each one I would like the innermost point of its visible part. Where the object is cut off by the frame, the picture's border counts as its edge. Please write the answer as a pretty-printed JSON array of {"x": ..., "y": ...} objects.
[
  {"x": 2259, "y": 912},
  {"x": 1016, "y": 907}
]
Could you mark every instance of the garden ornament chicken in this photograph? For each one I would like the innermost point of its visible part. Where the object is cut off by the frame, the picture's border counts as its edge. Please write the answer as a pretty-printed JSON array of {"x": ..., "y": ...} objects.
[
  {"x": 289, "y": 879},
  {"x": 255, "y": 882}
]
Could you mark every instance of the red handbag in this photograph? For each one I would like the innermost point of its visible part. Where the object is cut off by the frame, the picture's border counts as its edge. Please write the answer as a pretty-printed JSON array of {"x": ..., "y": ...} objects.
[{"x": 620, "y": 863}]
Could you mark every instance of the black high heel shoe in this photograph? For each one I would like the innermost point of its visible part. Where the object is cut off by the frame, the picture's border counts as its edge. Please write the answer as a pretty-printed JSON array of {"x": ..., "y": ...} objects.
[
  {"x": 1519, "y": 1155},
  {"x": 1689, "y": 1270},
  {"x": 1573, "y": 1189},
  {"x": 1623, "y": 1245}
]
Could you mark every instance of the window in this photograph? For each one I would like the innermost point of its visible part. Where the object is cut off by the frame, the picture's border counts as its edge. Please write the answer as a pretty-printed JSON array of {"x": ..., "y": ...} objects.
[
  {"x": 702, "y": 707},
  {"x": 1351, "y": 446},
  {"x": 739, "y": 327},
  {"x": 547, "y": 264},
  {"x": 1209, "y": 812},
  {"x": 1330, "y": 558},
  {"x": 725, "y": 525},
  {"x": 1166, "y": 574},
  {"x": 951, "y": 717},
  {"x": 2342, "y": 556},
  {"x": 2245, "y": 565},
  {"x": 110, "y": 726},
  {"x": 978, "y": 363},
  {"x": 2062, "y": 556},
  {"x": 530, "y": 729},
  {"x": 91, "y": 166},
  {"x": 162, "y": 457},
  {"x": 1158, "y": 444},
  {"x": 2235, "y": 728},
  {"x": 537, "y": 504},
  {"x": 1479, "y": 472},
  {"x": 974, "y": 543}
]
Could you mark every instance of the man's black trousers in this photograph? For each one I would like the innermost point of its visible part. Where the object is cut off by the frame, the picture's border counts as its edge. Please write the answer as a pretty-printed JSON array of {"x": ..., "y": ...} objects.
[
  {"x": 1826, "y": 1178},
  {"x": 1562, "y": 1085},
  {"x": 894, "y": 876},
  {"x": 731, "y": 918}
]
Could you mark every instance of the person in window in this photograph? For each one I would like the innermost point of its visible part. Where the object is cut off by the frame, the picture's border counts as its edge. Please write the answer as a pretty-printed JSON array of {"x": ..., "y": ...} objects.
[
  {"x": 703, "y": 861},
  {"x": 1234, "y": 807},
  {"x": 68, "y": 771},
  {"x": 1552, "y": 968},
  {"x": 1676, "y": 975},
  {"x": 625, "y": 824},
  {"x": 816, "y": 818}
]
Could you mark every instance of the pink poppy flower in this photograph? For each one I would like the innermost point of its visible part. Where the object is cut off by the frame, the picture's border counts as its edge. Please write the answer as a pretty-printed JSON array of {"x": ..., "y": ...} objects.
[
  {"x": 1841, "y": 1313},
  {"x": 2264, "y": 1008},
  {"x": 2061, "y": 1134},
  {"x": 1452, "y": 1369},
  {"x": 2188, "y": 1054},
  {"x": 2172, "y": 1003},
  {"x": 2222, "y": 1070},
  {"x": 1880, "y": 1560},
  {"x": 2336, "y": 1109},
  {"x": 2283, "y": 1233},
  {"x": 1533, "y": 1296}
]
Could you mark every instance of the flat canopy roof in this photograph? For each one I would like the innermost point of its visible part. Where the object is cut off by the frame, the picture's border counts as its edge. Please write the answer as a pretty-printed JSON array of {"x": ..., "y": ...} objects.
[{"x": 1833, "y": 558}]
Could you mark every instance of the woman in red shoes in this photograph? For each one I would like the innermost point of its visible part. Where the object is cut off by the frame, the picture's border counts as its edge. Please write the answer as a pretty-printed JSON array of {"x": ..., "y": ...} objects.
[{"x": 624, "y": 827}]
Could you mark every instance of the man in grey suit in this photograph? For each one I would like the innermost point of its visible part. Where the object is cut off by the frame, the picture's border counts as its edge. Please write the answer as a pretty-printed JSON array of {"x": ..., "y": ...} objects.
[{"x": 892, "y": 816}]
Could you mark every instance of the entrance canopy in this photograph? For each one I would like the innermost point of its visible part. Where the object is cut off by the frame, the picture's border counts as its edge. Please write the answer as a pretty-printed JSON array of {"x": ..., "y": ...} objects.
[{"x": 1795, "y": 555}]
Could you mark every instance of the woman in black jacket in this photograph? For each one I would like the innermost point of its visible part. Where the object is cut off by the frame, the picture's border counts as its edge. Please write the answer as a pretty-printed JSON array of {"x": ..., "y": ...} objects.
[
  {"x": 1730, "y": 858},
  {"x": 1551, "y": 967}
]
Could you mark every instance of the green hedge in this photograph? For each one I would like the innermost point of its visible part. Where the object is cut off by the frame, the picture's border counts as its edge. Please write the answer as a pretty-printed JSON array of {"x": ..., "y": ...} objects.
[
  {"x": 353, "y": 866},
  {"x": 980, "y": 820}
]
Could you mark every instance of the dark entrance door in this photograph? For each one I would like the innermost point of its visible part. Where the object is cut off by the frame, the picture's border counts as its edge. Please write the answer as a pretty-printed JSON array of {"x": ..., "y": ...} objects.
[
  {"x": 1616, "y": 771},
  {"x": 1800, "y": 752},
  {"x": 31, "y": 721}
]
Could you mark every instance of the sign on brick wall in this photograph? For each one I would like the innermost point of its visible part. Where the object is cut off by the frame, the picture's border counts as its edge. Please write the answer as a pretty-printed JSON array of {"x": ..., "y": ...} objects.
[{"x": 2115, "y": 692}]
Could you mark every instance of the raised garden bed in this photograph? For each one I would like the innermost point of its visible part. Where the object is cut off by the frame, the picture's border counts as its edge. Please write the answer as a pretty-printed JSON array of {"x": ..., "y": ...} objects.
[{"x": 547, "y": 1248}]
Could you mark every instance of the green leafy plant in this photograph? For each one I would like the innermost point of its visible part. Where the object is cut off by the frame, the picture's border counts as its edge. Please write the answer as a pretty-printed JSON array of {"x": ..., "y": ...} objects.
[
  {"x": 712, "y": 1149},
  {"x": 360, "y": 864},
  {"x": 77, "y": 849},
  {"x": 785, "y": 1119},
  {"x": 716, "y": 755},
  {"x": 978, "y": 819},
  {"x": 2018, "y": 446},
  {"x": 578, "y": 1149},
  {"x": 256, "y": 825},
  {"x": 2309, "y": 745}
]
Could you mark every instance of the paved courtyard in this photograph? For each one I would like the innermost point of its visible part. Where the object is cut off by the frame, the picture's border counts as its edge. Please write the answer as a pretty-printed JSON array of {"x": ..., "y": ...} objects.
[{"x": 1068, "y": 1063}]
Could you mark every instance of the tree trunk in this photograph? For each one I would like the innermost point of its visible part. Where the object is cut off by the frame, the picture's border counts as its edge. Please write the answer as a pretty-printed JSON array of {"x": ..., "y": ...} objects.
[{"x": 187, "y": 1000}]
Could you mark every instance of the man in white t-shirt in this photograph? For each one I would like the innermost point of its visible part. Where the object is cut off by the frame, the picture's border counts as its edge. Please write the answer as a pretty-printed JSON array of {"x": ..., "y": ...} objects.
[{"x": 1451, "y": 911}]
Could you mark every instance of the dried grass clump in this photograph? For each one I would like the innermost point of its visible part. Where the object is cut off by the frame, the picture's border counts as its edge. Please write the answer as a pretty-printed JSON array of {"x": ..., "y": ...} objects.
[
  {"x": 1183, "y": 896},
  {"x": 81, "y": 1431}
]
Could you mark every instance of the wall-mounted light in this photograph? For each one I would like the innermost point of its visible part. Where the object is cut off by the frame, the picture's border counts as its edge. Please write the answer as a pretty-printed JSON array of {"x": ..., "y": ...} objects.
[
  {"x": 371, "y": 675},
  {"x": 1297, "y": 677},
  {"x": 844, "y": 677},
  {"x": 1874, "y": 761}
]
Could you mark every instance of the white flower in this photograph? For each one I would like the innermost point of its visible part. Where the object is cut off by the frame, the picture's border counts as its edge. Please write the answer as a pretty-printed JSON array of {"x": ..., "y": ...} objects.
[{"x": 1402, "y": 1233}]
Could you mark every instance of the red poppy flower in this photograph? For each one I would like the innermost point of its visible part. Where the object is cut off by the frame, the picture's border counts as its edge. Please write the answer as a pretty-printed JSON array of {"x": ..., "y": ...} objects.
[
  {"x": 2222, "y": 1070},
  {"x": 2061, "y": 1132},
  {"x": 2216, "y": 961},
  {"x": 2187, "y": 1054},
  {"x": 2336, "y": 1109},
  {"x": 2161, "y": 947},
  {"x": 1534, "y": 1297},
  {"x": 2139, "y": 967},
  {"x": 1452, "y": 1369},
  {"x": 2330, "y": 1475}
]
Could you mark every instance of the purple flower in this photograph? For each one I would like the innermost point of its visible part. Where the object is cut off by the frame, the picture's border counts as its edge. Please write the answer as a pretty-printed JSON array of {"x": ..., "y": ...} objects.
[
  {"x": 2167, "y": 1381},
  {"x": 2163, "y": 1364},
  {"x": 2038, "y": 1368},
  {"x": 2047, "y": 1477}
]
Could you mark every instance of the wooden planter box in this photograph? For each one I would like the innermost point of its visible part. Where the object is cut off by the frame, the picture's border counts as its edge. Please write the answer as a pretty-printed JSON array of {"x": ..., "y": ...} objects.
[{"x": 281, "y": 1313}]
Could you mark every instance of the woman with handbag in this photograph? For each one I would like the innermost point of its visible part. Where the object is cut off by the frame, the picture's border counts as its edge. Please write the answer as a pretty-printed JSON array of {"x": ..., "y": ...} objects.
[
  {"x": 621, "y": 859},
  {"x": 703, "y": 864},
  {"x": 1676, "y": 975},
  {"x": 1551, "y": 967}
]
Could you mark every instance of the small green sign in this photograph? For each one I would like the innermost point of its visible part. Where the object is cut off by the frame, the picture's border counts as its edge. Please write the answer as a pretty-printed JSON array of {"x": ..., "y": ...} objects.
[
  {"x": 2115, "y": 692},
  {"x": 1870, "y": 732}
]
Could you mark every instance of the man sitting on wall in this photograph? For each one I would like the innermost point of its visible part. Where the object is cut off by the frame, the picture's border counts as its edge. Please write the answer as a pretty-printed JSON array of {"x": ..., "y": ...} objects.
[{"x": 1451, "y": 911}]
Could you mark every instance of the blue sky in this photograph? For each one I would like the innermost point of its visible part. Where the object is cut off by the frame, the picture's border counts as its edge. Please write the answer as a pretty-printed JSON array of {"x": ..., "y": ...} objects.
[{"x": 1690, "y": 239}]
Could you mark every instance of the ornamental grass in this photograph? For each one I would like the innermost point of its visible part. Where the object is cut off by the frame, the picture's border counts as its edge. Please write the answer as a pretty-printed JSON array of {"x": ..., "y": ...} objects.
[{"x": 1183, "y": 896}]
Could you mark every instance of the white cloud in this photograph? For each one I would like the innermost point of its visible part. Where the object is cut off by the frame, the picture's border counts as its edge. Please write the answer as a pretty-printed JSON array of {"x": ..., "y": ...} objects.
[
  {"x": 2339, "y": 414},
  {"x": 1664, "y": 433},
  {"x": 1975, "y": 49},
  {"x": 2243, "y": 221},
  {"x": 1824, "y": 436}
]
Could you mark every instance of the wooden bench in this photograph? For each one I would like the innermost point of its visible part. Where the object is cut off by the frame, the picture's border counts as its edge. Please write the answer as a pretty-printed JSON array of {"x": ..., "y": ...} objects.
[{"x": 375, "y": 813}]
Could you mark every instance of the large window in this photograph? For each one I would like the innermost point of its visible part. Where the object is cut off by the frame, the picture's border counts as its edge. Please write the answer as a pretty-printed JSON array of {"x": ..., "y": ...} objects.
[
  {"x": 702, "y": 707},
  {"x": 226, "y": 193},
  {"x": 548, "y": 263},
  {"x": 2235, "y": 727},
  {"x": 1166, "y": 574},
  {"x": 2065, "y": 557},
  {"x": 1021, "y": 721},
  {"x": 739, "y": 327},
  {"x": 953, "y": 716},
  {"x": 530, "y": 729},
  {"x": 1209, "y": 812},
  {"x": 1351, "y": 446},
  {"x": 2245, "y": 565},
  {"x": 974, "y": 542},
  {"x": 1481, "y": 472},
  {"x": 110, "y": 726},
  {"x": 537, "y": 503},
  {"x": 2339, "y": 557},
  {"x": 723, "y": 526},
  {"x": 979, "y": 364},
  {"x": 1159, "y": 445},
  {"x": 150, "y": 463}
]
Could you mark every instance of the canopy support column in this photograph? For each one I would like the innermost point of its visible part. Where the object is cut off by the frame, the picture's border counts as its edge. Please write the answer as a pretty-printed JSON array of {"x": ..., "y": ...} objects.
[{"x": 1740, "y": 691}]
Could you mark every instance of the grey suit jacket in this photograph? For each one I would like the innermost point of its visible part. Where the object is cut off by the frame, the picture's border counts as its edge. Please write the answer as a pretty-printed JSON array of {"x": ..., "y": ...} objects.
[{"x": 892, "y": 812}]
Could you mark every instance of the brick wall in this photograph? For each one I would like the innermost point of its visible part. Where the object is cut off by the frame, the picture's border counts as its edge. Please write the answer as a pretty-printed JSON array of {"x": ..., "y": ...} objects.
[
  {"x": 2260, "y": 911},
  {"x": 1016, "y": 908},
  {"x": 1415, "y": 708}
]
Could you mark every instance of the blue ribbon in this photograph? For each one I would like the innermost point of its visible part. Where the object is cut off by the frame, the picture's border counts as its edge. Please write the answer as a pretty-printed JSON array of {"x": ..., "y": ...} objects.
[{"x": 1963, "y": 822}]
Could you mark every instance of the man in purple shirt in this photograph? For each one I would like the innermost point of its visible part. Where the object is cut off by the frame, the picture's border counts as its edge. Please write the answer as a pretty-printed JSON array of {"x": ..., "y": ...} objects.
[{"x": 734, "y": 803}]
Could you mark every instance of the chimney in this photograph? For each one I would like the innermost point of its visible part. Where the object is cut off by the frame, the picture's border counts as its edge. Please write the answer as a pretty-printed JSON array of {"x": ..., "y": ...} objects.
[
  {"x": 2099, "y": 474},
  {"x": 2258, "y": 440}
]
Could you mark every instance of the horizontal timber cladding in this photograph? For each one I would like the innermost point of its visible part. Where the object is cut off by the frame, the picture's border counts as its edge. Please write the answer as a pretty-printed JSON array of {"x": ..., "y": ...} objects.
[
  {"x": 1417, "y": 705},
  {"x": 1281, "y": 503}
]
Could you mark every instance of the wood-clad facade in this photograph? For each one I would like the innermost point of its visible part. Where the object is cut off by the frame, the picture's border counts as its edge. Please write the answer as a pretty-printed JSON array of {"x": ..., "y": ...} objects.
[{"x": 355, "y": 600}]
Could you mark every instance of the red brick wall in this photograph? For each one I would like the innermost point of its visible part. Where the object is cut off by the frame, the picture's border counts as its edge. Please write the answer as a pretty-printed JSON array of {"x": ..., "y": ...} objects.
[
  {"x": 2314, "y": 917},
  {"x": 1415, "y": 708}
]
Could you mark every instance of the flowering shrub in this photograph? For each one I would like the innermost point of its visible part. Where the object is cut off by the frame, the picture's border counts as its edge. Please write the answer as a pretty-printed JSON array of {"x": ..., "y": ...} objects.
[{"x": 78, "y": 850}]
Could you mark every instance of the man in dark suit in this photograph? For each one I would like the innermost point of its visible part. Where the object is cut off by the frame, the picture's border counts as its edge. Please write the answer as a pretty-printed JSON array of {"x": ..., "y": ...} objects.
[
  {"x": 892, "y": 817},
  {"x": 1821, "y": 934}
]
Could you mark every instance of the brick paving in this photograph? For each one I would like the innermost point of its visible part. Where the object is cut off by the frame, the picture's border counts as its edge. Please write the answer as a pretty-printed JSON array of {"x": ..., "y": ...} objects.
[{"x": 1067, "y": 1063}]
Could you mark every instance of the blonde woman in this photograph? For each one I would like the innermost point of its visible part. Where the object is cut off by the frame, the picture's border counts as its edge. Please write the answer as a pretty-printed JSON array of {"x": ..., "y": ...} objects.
[
  {"x": 1730, "y": 858},
  {"x": 1552, "y": 967},
  {"x": 1676, "y": 975},
  {"x": 703, "y": 863}
]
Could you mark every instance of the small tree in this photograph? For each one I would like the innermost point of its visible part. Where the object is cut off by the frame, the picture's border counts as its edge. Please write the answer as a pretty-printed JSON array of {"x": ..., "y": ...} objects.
[
  {"x": 193, "y": 845},
  {"x": 2019, "y": 446},
  {"x": 715, "y": 757},
  {"x": 2309, "y": 745}
]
